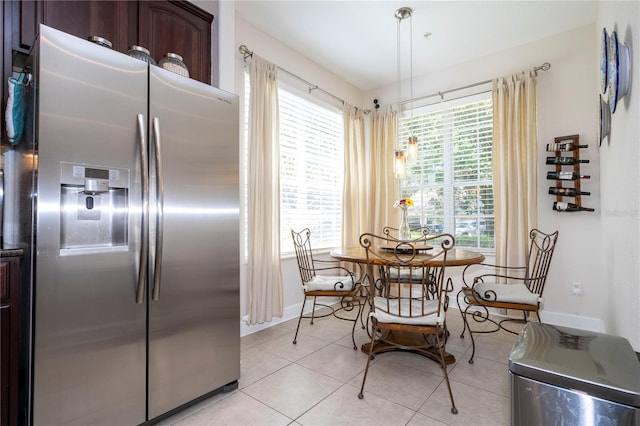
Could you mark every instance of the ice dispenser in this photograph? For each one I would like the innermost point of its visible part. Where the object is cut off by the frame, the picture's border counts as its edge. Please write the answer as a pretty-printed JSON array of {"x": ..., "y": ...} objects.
[{"x": 94, "y": 208}]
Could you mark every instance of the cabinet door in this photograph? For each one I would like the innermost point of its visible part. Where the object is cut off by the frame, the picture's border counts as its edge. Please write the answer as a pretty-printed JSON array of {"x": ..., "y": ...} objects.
[
  {"x": 25, "y": 16},
  {"x": 107, "y": 19},
  {"x": 113, "y": 20},
  {"x": 9, "y": 340},
  {"x": 178, "y": 27},
  {"x": 5, "y": 344}
]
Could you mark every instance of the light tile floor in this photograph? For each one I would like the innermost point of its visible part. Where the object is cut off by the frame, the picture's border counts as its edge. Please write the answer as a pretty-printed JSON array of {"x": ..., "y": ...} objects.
[{"x": 316, "y": 381}]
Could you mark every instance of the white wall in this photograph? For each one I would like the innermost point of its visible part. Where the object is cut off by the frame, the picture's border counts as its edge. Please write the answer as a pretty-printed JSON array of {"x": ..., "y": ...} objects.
[
  {"x": 620, "y": 184},
  {"x": 567, "y": 104},
  {"x": 291, "y": 60}
]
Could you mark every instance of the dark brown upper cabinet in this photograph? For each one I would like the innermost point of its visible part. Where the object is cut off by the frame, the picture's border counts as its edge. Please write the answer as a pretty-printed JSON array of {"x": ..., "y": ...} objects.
[
  {"x": 107, "y": 19},
  {"x": 161, "y": 26},
  {"x": 178, "y": 27}
]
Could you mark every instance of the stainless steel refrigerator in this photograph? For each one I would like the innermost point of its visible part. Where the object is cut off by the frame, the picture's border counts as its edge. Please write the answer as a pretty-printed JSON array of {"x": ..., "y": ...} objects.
[{"x": 133, "y": 239}]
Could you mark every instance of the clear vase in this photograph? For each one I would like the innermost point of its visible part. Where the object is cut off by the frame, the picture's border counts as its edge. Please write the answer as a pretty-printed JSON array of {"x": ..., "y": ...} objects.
[{"x": 404, "y": 232}]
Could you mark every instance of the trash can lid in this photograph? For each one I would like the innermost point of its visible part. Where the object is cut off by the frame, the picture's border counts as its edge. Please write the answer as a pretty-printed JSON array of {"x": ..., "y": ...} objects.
[{"x": 601, "y": 365}]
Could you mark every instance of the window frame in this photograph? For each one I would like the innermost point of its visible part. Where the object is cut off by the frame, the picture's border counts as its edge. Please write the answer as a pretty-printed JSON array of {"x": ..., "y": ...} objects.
[
  {"x": 320, "y": 240},
  {"x": 320, "y": 244},
  {"x": 447, "y": 190}
]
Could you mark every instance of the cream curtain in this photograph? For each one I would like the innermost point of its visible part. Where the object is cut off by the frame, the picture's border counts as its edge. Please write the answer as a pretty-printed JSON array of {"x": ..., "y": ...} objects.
[
  {"x": 515, "y": 176},
  {"x": 264, "y": 275},
  {"x": 355, "y": 206},
  {"x": 384, "y": 189}
]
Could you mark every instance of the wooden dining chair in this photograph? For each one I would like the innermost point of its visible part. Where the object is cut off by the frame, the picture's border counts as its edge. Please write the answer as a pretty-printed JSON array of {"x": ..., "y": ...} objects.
[
  {"x": 410, "y": 311},
  {"x": 326, "y": 279},
  {"x": 506, "y": 287}
]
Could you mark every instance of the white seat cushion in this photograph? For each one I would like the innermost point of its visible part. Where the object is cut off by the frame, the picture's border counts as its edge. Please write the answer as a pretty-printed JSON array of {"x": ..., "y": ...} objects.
[
  {"x": 327, "y": 283},
  {"x": 390, "y": 314},
  {"x": 510, "y": 293}
]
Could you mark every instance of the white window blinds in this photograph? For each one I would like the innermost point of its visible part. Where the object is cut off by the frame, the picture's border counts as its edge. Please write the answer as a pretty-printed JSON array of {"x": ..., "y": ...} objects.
[
  {"x": 311, "y": 170},
  {"x": 450, "y": 181}
]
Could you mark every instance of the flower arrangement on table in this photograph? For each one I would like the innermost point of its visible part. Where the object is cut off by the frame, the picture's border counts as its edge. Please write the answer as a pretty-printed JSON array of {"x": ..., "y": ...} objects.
[
  {"x": 404, "y": 232},
  {"x": 404, "y": 203}
]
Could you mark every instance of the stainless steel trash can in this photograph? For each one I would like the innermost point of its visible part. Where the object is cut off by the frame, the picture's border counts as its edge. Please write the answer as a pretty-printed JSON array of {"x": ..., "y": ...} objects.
[{"x": 564, "y": 376}]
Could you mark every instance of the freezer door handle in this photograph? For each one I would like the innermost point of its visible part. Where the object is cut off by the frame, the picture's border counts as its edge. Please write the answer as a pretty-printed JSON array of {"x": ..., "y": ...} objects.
[
  {"x": 160, "y": 210},
  {"x": 144, "y": 233}
]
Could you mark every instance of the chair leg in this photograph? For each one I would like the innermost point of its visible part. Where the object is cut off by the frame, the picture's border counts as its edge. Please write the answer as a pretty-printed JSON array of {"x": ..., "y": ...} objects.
[
  {"x": 361, "y": 316},
  {"x": 443, "y": 363},
  {"x": 466, "y": 326},
  {"x": 295, "y": 338},
  {"x": 313, "y": 312},
  {"x": 353, "y": 330},
  {"x": 473, "y": 346},
  {"x": 463, "y": 313},
  {"x": 366, "y": 370},
  {"x": 362, "y": 304}
]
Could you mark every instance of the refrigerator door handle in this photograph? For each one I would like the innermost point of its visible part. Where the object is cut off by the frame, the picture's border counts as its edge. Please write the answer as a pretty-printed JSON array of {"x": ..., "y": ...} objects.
[
  {"x": 144, "y": 243},
  {"x": 160, "y": 210}
]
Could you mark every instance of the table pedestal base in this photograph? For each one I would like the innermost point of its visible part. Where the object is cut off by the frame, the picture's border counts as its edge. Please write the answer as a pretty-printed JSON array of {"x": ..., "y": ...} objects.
[{"x": 408, "y": 342}]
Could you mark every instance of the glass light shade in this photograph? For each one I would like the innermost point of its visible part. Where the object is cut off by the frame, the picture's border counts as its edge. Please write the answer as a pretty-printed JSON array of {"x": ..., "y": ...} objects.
[
  {"x": 399, "y": 163},
  {"x": 412, "y": 147}
]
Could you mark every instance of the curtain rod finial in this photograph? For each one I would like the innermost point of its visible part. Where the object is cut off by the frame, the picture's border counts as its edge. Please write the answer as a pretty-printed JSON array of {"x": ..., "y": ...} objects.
[{"x": 244, "y": 50}]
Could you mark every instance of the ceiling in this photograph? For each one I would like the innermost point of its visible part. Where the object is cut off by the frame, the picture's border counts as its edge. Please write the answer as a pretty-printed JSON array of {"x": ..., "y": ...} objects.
[{"x": 357, "y": 40}]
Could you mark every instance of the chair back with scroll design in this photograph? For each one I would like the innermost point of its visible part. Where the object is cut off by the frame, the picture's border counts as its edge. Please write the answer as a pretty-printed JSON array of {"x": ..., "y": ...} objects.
[
  {"x": 506, "y": 287},
  {"x": 326, "y": 278},
  {"x": 540, "y": 254},
  {"x": 304, "y": 254},
  {"x": 390, "y": 233},
  {"x": 421, "y": 231},
  {"x": 412, "y": 296}
]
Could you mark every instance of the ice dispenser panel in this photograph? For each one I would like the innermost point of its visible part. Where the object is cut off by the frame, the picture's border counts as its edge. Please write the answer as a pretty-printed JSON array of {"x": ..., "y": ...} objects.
[{"x": 93, "y": 208}]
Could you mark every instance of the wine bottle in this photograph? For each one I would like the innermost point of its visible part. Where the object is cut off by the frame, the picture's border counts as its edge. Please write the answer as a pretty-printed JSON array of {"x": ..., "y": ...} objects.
[
  {"x": 566, "y": 176},
  {"x": 566, "y": 192},
  {"x": 567, "y": 146},
  {"x": 570, "y": 207},
  {"x": 564, "y": 160}
]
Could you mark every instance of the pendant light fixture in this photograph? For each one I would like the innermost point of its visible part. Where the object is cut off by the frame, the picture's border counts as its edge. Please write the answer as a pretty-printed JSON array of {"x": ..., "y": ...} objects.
[
  {"x": 399, "y": 161},
  {"x": 400, "y": 158}
]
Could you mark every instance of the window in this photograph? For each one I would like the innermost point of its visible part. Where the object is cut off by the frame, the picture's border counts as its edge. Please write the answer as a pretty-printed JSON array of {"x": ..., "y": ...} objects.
[
  {"x": 311, "y": 167},
  {"x": 451, "y": 182},
  {"x": 311, "y": 170}
]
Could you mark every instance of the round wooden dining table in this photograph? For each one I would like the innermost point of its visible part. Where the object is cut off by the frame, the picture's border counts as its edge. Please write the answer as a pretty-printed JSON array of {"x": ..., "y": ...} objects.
[
  {"x": 405, "y": 341},
  {"x": 455, "y": 256}
]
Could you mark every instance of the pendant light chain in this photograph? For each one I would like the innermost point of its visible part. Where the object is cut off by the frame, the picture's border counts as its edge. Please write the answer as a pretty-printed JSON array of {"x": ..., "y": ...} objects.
[
  {"x": 411, "y": 61},
  {"x": 412, "y": 143},
  {"x": 400, "y": 158}
]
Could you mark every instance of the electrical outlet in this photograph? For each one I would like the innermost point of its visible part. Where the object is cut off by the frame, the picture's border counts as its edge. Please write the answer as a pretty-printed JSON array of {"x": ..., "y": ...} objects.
[{"x": 577, "y": 288}]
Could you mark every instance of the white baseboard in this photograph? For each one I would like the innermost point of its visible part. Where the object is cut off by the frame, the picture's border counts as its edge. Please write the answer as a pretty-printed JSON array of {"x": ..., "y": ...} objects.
[
  {"x": 290, "y": 312},
  {"x": 572, "y": 321},
  {"x": 555, "y": 318},
  {"x": 559, "y": 318}
]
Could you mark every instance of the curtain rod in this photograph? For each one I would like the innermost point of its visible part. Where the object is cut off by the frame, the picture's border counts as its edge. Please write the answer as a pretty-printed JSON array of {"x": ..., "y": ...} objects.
[
  {"x": 246, "y": 53},
  {"x": 544, "y": 67}
]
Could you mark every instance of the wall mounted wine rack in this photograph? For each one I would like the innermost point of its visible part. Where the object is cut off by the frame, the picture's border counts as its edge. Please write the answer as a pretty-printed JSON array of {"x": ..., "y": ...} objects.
[{"x": 567, "y": 189}]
